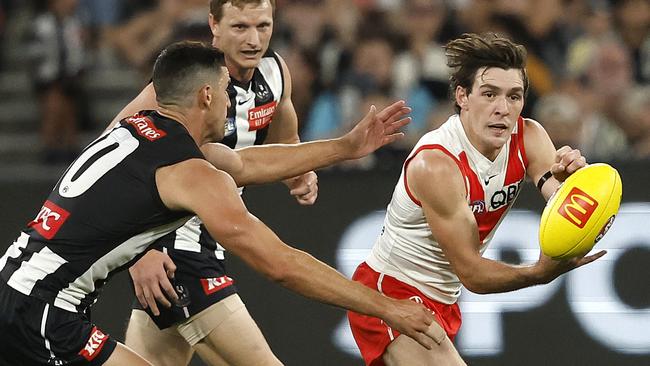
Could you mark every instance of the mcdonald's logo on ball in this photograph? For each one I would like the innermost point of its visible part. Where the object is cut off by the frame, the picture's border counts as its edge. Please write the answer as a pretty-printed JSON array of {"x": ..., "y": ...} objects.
[{"x": 580, "y": 212}]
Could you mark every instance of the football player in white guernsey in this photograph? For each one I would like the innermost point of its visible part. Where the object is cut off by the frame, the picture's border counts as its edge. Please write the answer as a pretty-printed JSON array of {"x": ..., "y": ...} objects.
[{"x": 455, "y": 187}]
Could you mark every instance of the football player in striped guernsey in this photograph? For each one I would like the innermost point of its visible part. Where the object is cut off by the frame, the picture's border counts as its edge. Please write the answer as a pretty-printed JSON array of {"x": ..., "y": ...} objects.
[
  {"x": 260, "y": 112},
  {"x": 141, "y": 180}
]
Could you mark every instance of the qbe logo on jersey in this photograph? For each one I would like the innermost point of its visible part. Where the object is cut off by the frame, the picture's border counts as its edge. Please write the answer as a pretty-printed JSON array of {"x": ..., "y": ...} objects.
[
  {"x": 49, "y": 219},
  {"x": 578, "y": 207},
  {"x": 260, "y": 117}
]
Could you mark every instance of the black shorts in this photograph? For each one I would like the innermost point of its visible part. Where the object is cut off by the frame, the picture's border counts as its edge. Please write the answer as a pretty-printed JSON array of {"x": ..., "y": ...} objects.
[
  {"x": 200, "y": 282},
  {"x": 33, "y": 332}
]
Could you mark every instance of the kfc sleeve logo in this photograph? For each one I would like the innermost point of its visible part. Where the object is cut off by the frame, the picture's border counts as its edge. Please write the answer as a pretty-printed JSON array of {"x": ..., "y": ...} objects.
[
  {"x": 94, "y": 345},
  {"x": 49, "y": 219},
  {"x": 212, "y": 285}
]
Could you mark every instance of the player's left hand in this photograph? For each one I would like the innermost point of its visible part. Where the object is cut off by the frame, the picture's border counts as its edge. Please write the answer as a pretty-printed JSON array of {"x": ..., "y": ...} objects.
[
  {"x": 150, "y": 277},
  {"x": 567, "y": 162},
  {"x": 377, "y": 129},
  {"x": 304, "y": 188},
  {"x": 550, "y": 268}
]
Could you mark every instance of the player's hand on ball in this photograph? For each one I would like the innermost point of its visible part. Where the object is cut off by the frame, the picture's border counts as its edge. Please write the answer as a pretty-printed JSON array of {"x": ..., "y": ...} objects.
[
  {"x": 567, "y": 162},
  {"x": 151, "y": 276},
  {"x": 549, "y": 268}
]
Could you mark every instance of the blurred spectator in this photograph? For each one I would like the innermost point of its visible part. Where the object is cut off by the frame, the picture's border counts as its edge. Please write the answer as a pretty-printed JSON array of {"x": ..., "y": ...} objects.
[
  {"x": 303, "y": 23},
  {"x": 141, "y": 39},
  {"x": 597, "y": 28},
  {"x": 632, "y": 20},
  {"x": 345, "y": 54},
  {"x": 304, "y": 75},
  {"x": 636, "y": 121},
  {"x": 101, "y": 18},
  {"x": 423, "y": 63},
  {"x": 59, "y": 54},
  {"x": 561, "y": 117},
  {"x": 601, "y": 88},
  {"x": 371, "y": 73}
]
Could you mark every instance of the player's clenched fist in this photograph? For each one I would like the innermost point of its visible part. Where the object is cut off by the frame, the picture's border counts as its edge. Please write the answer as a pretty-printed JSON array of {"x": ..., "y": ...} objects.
[{"x": 567, "y": 161}]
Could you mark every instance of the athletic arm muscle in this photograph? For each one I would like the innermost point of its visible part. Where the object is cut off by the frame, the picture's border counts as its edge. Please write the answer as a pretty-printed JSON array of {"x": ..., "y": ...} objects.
[
  {"x": 196, "y": 186},
  {"x": 454, "y": 227}
]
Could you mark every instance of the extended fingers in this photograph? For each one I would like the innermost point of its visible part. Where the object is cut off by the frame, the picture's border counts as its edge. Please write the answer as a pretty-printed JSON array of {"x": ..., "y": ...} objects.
[
  {"x": 590, "y": 258},
  {"x": 396, "y": 125},
  {"x": 387, "y": 112},
  {"x": 389, "y": 139}
]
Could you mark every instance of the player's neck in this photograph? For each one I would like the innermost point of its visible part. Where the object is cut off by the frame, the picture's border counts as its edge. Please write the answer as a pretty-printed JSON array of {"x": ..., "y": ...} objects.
[
  {"x": 241, "y": 75},
  {"x": 479, "y": 144},
  {"x": 183, "y": 117}
]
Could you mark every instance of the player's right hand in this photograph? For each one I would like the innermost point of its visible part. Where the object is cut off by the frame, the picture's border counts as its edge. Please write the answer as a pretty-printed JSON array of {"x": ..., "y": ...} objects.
[
  {"x": 413, "y": 320},
  {"x": 377, "y": 129},
  {"x": 151, "y": 276}
]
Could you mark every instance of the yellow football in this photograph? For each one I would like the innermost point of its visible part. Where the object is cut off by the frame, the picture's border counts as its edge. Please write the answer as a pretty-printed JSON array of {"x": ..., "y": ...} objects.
[{"x": 580, "y": 212}]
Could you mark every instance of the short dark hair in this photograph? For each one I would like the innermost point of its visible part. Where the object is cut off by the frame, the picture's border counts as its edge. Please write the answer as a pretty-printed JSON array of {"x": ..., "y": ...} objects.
[
  {"x": 467, "y": 54},
  {"x": 182, "y": 68},
  {"x": 216, "y": 6}
]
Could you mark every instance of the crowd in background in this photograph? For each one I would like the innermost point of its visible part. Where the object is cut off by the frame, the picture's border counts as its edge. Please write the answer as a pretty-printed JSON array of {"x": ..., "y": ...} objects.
[{"x": 588, "y": 61}]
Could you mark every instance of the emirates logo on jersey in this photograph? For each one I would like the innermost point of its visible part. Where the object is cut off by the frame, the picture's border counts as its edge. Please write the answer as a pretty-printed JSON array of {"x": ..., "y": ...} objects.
[
  {"x": 212, "y": 285},
  {"x": 260, "y": 117},
  {"x": 94, "y": 345},
  {"x": 144, "y": 127},
  {"x": 49, "y": 219}
]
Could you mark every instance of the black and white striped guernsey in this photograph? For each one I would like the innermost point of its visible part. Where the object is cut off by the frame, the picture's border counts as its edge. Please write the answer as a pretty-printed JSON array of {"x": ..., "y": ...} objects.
[
  {"x": 253, "y": 104},
  {"x": 104, "y": 211},
  {"x": 252, "y": 107}
]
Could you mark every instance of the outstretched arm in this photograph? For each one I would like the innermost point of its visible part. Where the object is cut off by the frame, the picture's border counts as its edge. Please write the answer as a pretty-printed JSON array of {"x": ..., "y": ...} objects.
[
  {"x": 454, "y": 227},
  {"x": 271, "y": 163},
  {"x": 194, "y": 185}
]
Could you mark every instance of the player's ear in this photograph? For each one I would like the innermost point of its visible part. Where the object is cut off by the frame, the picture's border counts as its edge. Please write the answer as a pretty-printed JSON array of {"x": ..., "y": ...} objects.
[
  {"x": 461, "y": 96},
  {"x": 214, "y": 25},
  {"x": 205, "y": 96}
]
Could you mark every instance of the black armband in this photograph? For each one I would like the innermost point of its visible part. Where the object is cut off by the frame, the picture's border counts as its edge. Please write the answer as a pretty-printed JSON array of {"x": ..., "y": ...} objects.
[{"x": 543, "y": 179}]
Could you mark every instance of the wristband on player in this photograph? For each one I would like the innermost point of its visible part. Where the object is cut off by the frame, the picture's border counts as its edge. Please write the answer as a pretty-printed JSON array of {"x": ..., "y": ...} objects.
[{"x": 543, "y": 179}]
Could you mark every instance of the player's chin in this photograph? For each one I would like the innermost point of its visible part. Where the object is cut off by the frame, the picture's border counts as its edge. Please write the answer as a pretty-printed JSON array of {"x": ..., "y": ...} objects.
[
  {"x": 498, "y": 141},
  {"x": 250, "y": 62}
]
